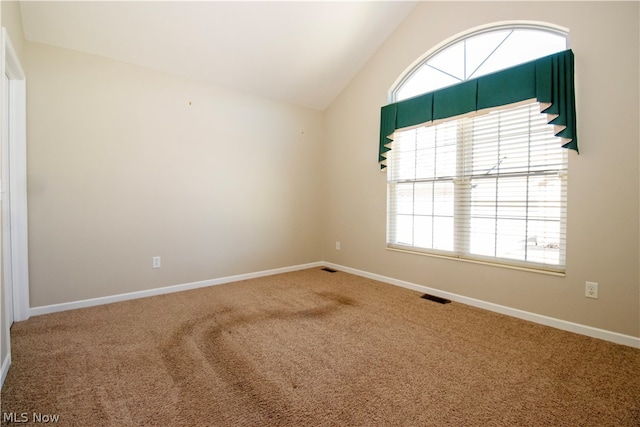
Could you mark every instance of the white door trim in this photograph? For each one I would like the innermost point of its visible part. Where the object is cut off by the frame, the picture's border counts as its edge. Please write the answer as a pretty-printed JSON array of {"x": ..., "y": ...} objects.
[
  {"x": 18, "y": 178},
  {"x": 7, "y": 276}
]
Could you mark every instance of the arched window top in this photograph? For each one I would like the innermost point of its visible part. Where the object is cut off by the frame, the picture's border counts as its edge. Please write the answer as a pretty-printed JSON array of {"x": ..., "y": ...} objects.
[
  {"x": 484, "y": 69},
  {"x": 478, "y": 53}
]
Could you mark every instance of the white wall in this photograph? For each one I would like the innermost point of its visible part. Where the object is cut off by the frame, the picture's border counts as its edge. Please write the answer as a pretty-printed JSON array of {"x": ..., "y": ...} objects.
[
  {"x": 603, "y": 190},
  {"x": 4, "y": 330},
  {"x": 126, "y": 163}
]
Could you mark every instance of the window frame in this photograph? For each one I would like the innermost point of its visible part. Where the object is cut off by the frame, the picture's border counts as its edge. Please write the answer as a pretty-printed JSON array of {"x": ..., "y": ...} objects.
[{"x": 467, "y": 257}]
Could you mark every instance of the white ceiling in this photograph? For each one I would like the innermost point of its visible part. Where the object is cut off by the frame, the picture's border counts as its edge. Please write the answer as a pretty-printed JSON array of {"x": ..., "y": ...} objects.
[{"x": 304, "y": 53}]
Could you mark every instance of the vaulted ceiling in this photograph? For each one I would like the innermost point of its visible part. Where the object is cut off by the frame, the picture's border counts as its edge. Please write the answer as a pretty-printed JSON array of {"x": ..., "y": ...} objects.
[{"x": 303, "y": 53}]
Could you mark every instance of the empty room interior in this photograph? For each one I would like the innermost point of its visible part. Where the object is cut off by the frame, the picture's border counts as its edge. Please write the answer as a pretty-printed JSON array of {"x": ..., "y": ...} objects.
[{"x": 215, "y": 213}]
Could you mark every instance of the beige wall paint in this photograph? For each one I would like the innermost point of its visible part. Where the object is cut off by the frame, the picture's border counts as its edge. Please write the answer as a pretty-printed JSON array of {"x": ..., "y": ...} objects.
[
  {"x": 603, "y": 198},
  {"x": 12, "y": 21},
  {"x": 126, "y": 163}
]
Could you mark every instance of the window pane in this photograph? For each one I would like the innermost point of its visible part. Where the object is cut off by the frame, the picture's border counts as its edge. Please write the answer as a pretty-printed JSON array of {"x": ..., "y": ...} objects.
[
  {"x": 446, "y": 159},
  {"x": 443, "y": 233},
  {"x": 443, "y": 199},
  {"x": 404, "y": 199},
  {"x": 483, "y": 197},
  {"x": 450, "y": 61},
  {"x": 545, "y": 197},
  {"x": 423, "y": 198},
  {"x": 404, "y": 229},
  {"x": 426, "y": 163},
  {"x": 424, "y": 80},
  {"x": 512, "y": 198},
  {"x": 480, "y": 47},
  {"x": 511, "y": 52},
  {"x": 544, "y": 243},
  {"x": 511, "y": 239},
  {"x": 402, "y": 157},
  {"x": 423, "y": 236},
  {"x": 483, "y": 236}
]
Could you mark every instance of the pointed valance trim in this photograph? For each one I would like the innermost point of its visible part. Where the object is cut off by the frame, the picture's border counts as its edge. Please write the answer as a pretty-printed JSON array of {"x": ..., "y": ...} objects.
[{"x": 549, "y": 80}]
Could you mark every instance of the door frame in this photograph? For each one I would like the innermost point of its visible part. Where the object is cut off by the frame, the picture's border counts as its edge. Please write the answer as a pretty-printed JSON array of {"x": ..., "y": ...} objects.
[{"x": 16, "y": 188}]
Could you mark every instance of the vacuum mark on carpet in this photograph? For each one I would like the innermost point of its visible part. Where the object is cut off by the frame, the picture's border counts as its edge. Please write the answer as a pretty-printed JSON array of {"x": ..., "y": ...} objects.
[
  {"x": 220, "y": 357},
  {"x": 340, "y": 299}
]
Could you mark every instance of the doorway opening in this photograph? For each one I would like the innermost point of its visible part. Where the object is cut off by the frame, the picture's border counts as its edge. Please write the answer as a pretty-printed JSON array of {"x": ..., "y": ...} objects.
[{"x": 13, "y": 195}]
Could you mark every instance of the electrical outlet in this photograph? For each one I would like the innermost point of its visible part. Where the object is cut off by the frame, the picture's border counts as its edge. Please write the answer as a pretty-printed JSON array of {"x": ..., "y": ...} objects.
[
  {"x": 155, "y": 262},
  {"x": 337, "y": 246},
  {"x": 591, "y": 290}
]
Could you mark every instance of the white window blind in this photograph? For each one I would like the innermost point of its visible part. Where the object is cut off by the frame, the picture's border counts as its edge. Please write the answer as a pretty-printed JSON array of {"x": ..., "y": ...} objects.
[{"x": 487, "y": 188}]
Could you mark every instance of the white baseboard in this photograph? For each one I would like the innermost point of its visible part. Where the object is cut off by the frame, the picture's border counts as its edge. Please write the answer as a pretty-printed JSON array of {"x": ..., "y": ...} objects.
[
  {"x": 36, "y": 311},
  {"x": 6, "y": 363},
  {"x": 520, "y": 314},
  {"x": 525, "y": 315}
]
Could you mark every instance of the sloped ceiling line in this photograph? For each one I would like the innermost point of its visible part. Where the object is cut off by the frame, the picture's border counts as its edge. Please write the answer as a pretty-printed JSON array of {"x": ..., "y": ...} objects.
[{"x": 303, "y": 53}]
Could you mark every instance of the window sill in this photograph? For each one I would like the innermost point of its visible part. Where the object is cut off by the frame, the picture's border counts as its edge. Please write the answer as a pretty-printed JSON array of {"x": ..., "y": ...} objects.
[{"x": 473, "y": 261}]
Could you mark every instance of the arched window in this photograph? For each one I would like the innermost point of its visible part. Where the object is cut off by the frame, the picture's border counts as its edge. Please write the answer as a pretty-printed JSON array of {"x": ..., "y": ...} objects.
[
  {"x": 487, "y": 186},
  {"x": 477, "y": 54}
]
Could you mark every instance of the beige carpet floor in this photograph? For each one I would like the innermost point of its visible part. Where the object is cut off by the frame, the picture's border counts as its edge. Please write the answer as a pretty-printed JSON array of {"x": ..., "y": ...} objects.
[{"x": 312, "y": 348}]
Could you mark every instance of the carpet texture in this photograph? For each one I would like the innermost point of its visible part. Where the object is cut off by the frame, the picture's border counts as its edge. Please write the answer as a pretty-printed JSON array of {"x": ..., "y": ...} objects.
[{"x": 312, "y": 348}]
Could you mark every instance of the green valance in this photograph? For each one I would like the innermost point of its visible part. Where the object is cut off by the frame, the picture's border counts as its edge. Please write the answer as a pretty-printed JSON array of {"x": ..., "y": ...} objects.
[{"x": 549, "y": 80}]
